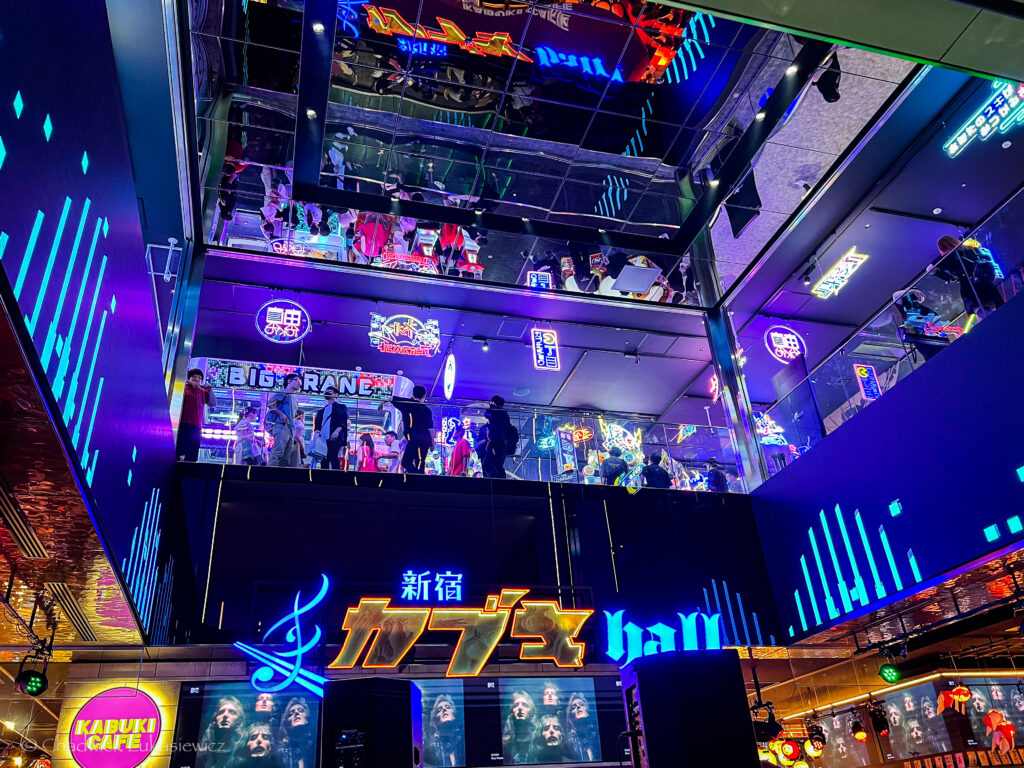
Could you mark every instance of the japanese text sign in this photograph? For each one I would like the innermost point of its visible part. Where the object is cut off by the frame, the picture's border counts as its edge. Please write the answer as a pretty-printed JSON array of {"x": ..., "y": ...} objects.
[{"x": 545, "y": 349}]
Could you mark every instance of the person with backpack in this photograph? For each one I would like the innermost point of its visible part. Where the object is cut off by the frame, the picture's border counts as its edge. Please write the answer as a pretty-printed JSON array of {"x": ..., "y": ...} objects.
[{"x": 502, "y": 439}]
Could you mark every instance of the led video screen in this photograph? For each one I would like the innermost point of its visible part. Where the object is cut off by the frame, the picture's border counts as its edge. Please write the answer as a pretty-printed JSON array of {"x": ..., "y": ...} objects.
[
  {"x": 231, "y": 725},
  {"x": 520, "y": 721}
]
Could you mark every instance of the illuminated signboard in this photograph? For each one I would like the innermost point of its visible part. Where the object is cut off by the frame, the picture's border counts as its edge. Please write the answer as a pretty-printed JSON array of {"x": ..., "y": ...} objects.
[
  {"x": 282, "y": 321},
  {"x": 423, "y": 586},
  {"x": 422, "y": 47},
  {"x": 769, "y": 432},
  {"x": 566, "y": 455},
  {"x": 545, "y": 349},
  {"x": 405, "y": 335},
  {"x": 289, "y": 247},
  {"x": 868, "y": 381},
  {"x": 549, "y": 57},
  {"x": 784, "y": 344},
  {"x": 713, "y": 388},
  {"x": 836, "y": 278},
  {"x": 631, "y": 641},
  {"x": 387, "y": 21},
  {"x": 235, "y": 374},
  {"x": 1003, "y": 109},
  {"x": 539, "y": 280},
  {"x": 449, "y": 376},
  {"x": 548, "y": 632},
  {"x": 282, "y": 668},
  {"x": 118, "y": 728}
]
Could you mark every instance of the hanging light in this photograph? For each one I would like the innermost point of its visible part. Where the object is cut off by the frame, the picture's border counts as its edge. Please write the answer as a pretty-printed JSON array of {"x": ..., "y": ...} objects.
[
  {"x": 890, "y": 673},
  {"x": 879, "y": 722},
  {"x": 857, "y": 730}
]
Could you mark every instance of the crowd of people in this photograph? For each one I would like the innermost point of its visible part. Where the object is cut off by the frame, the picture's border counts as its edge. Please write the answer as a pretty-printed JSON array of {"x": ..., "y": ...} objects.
[{"x": 471, "y": 450}]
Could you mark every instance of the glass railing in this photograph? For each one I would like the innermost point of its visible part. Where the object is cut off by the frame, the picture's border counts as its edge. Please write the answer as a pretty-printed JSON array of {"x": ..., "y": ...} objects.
[
  {"x": 555, "y": 445},
  {"x": 975, "y": 277}
]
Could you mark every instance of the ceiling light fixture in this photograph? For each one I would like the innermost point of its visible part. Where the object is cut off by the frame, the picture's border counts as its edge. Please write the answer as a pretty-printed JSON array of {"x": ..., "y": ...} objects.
[
  {"x": 879, "y": 722},
  {"x": 760, "y": 115},
  {"x": 936, "y": 211},
  {"x": 857, "y": 730},
  {"x": 714, "y": 183},
  {"x": 311, "y": 114},
  {"x": 318, "y": 27},
  {"x": 792, "y": 69}
]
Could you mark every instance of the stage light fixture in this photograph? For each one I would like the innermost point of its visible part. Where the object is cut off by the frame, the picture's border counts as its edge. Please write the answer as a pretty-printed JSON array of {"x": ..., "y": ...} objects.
[
  {"x": 318, "y": 27},
  {"x": 890, "y": 673},
  {"x": 31, "y": 682},
  {"x": 311, "y": 114},
  {"x": 486, "y": 346},
  {"x": 816, "y": 736},
  {"x": 857, "y": 730},
  {"x": 789, "y": 750},
  {"x": 811, "y": 750},
  {"x": 767, "y": 730},
  {"x": 792, "y": 69},
  {"x": 879, "y": 722}
]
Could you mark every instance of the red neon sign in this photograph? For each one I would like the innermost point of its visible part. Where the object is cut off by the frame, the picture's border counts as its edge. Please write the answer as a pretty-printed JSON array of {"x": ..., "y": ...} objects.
[{"x": 388, "y": 21}]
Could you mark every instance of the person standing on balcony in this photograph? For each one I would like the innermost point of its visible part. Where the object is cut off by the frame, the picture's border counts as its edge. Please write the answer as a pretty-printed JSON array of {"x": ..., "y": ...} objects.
[
  {"x": 717, "y": 481},
  {"x": 393, "y": 455},
  {"x": 281, "y": 418},
  {"x": 367, "y": 455},
  {"x": 613, "y": 467},
  {"x": 499, "y": 434},
  {"x": 418, "y": 428},
  {"x": 974, "y": 271},
  {"x": 654, "y": 474},
  {"x": 458, "y": 464},
  {"x": 331, "y": 422},
  {"x": 190, "y": 429}
]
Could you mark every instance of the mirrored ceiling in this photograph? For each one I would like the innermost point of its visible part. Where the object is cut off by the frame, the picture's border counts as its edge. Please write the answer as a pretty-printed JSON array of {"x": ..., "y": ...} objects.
[{"x": 608, "y": 116}]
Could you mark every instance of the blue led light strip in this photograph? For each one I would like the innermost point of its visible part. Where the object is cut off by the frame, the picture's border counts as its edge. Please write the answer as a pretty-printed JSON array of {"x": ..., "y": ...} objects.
[
  {"x": 65, "y": 353},
  {"x": 879, "y": 586},
  {"x": 88, "y": 382},
  {"x": 830, "y": 604},
  {"x": 810, "y": 590},
  {"x": 69, "y": 406},
  {"x": 51, "y": 333},
  {"x": 913, "y": 566},
  {"x": 862, "y": 592},
  {"x": 888, "y": 556},
  {"x": 29, "y": 249},
  {"x": 30, "y": 322},
  {"x": 844, "y": 593},
  {"x": 800, "y": 610}
]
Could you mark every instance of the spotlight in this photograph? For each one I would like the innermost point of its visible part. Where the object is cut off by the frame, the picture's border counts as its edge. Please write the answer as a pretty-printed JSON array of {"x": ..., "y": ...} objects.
[
  {"x": 765, "y": 756},
  {"x": 31, "y": 682},
  {"x": 816, "y": 737},
  {"x": 760, "y": 115},
  {"x": 789, "y": 750},
  {"x": 311, "y": 114},
  {"x": 18, "y": 760},
  {"x": 792, "y": 69},
  {"x": 890, "y": 673},
  {"x": 879, "y": 722},
  {"x": 857, "y": 730},
  {"x": 486, "y": 346},
  {"x": 8, "y": 724},
  {"x": 318, "y": 27},
  {"x": 714, "y": 183},
  {"x": 767, "y": 730},
  {"x": 828, "y": 82},
  {"x": 811, "y": 750}
]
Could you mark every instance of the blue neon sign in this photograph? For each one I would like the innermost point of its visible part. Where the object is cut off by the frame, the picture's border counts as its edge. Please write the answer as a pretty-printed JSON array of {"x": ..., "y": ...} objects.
[
  {"x": 626, "y": 639},
  {"x": 288, "y": 664},
  {"x": 545, "y": 349},
  {"x": 418, "y": 585},
  {"x": 421, "y": 47},
  {"x": 1003, "y": 109},
  {"x": 588, "y": 65}
]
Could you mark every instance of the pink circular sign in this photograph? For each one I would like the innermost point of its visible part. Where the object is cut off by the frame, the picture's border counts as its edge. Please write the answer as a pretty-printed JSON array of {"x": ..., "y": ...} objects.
[{"x": 118, "y": 728}]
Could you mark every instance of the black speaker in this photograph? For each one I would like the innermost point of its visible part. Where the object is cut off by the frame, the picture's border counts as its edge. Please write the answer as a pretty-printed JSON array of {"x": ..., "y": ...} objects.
[
  {"x": 687, "y": 706},
  {"x": 370, "y": 722}
]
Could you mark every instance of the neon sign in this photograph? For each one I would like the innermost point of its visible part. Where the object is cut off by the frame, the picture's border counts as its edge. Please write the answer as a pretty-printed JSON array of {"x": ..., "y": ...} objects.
[
  {"x": 550, "y": 630},
  {"x": 713, "y": 388},
  {"x": 545, "y": 349},
  {"x": 264, "y": 376},
  {"x": 769, "y": 432},
  {"x": 784, "y": 344},
  {"x": 286, "y": 247},
  {"x": 447, "y": 586},
  {"x": 117, "y": 728},
  {"x": 539, "y": 280},
  {"x": 422, "y": 48},
  {"x": 1002, "y": 111},
  {"x": 579, "y": 434},
  {"x": 288, "y": 664},
  {"x": 449, "y": 376},
  {"x": 388, "y": 21},
  {"x": 836, "y": 278},
  {"x": 549, "y": 57},
  {"x": 629, "y": 640},
  {"x": 405, "y": 335},
  {"x": 867, "y": 378},
  {"x": 282, "y": 321}
]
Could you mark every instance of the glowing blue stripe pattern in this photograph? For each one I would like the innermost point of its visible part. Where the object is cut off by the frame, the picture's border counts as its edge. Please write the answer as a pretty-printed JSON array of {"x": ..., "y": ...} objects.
[{"x": 855, "y": 557}]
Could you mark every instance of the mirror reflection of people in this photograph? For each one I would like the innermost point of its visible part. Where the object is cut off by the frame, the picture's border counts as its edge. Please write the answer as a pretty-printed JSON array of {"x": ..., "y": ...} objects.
[
  {"x": 297, "y": 740},
  {"x": 331, "y": 422},
  {"x": 519, "y": 728},
  {"x": 223, "y": 734},
  {"x": 367, "y": 453},
  {"x": 281, "y": 409},
  {"x": 550, "y": 745},
  {"x": 190, "y": 427},
  {"x": 717, "y": 481},
  {"x": 443, "y": 739},
  {"x": 247, "y": 450},
  {"x": 582, "y": 729},
  {"x": 257, "y": 749}
]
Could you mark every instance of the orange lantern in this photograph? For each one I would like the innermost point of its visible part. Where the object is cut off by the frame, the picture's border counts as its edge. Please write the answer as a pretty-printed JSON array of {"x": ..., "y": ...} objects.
[{"x": 1007, "y": 734}]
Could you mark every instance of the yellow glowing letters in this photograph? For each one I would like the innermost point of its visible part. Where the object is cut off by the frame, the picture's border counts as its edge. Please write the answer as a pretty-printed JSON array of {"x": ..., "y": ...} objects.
[{"x": 396, "y": 630}]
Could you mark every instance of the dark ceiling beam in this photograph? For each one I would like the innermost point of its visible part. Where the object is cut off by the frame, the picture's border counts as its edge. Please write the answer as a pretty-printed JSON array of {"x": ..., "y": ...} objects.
[
  {"x": 737, "y": 165},
  {"x": 1012, "y": 8}
]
